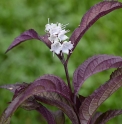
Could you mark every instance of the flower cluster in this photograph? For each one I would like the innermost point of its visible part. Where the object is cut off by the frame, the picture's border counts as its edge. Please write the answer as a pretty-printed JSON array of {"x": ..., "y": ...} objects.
[{"x": 56, "y": 35}]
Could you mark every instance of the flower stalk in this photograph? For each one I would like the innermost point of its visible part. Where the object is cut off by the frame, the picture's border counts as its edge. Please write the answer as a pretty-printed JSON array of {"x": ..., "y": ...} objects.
[{"x": 67, "y": 75}]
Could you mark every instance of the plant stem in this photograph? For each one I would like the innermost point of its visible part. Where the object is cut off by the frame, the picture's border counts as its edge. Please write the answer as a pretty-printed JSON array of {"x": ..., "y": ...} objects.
[
  {"x": 67, "y": 75},
  {"x": 69, "y": 85}
]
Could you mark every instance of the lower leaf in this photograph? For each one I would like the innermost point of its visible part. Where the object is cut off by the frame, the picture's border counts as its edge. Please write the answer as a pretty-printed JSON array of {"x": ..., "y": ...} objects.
[
  {"x": 49, "y": 89},
  {"x": 46, "y": 114},
  {"x": 103, "y": 118},
  {"x": 92, "y": 102}
]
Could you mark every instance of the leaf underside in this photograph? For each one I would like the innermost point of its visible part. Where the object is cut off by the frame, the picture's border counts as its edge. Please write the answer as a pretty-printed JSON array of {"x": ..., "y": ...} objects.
[
  {"x": 92, "y": 102},
  {"x": 96, "y": 12},
  {"x": 94, "y": 65},
  {"x": 60, "y": 102},
  {"x": 59, "y": 117},
  {"x": 46, "y": 114}
]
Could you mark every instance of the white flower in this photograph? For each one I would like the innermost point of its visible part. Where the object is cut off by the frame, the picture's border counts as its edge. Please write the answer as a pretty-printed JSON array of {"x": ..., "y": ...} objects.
[
  {"x": 53, "y": 38},
  {"x": 47, "y": 27},
  {"x": 66, "y": 47},
  {"x": 54, "y": 29},
  {"x": 62, "y": 35},
  {"x": 56, "y": 47},
  {"x": 56, "y": 35}
]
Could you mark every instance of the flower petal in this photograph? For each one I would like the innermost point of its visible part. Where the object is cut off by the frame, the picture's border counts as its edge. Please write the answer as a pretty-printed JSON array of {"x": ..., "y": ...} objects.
[
  {"x": 62, "y": 35},
  {"x": 66, "y": 46},
  {"x": 53, "y": 38},
  {"x": 56, "y": 47}
]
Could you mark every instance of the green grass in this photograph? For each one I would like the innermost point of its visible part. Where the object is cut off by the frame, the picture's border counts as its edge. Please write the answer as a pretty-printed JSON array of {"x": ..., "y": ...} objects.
[{"x": 32, "y": 59}]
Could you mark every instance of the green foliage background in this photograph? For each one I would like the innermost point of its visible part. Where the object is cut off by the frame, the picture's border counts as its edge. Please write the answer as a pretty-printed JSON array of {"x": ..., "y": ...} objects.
[{"x": 32, "y": 59}]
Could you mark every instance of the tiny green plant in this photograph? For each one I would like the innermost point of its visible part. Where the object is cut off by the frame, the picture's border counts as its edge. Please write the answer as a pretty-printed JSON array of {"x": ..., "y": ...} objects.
[{"x": 52, "y": 90}]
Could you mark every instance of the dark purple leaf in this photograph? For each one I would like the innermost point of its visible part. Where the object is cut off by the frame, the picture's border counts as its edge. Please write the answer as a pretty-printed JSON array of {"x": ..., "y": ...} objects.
[
  {"x": 94, "y": 118},
  {"x": 49, "y": 89},
  {"x": 92, "y": 102},
  {"x": 94, "y": 65},
  {"x": 3, "y": 121},
  {"x": 27, "y": 35},
  {"x": 31, "y": 34},
  {"x": 102, "y": 119},
  {"x": 14, "y": 87},
  {"x": 58, "y": 101},
  {"x": 30, "y": 104},
  {"x": 60, "y": 84},
  {"x": 59, "y": 117},
  {"x": 46, "y": 114},
  {"x": 96, "y": 12}
]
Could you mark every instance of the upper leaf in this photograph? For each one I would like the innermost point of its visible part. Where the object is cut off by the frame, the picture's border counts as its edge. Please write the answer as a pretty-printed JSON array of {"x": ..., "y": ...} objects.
[
  {"x": 96, "y": 12},
  {"x": 31, "y": 34},
  {"x": 27, "y": 35},
  {"x": 93, "y": 65},
  {"x": 49, "y": 89},
  {"x": 92, "y": 102},
  {"x": 103, "y": 118}
]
